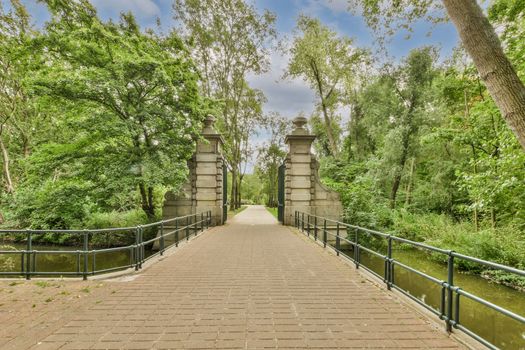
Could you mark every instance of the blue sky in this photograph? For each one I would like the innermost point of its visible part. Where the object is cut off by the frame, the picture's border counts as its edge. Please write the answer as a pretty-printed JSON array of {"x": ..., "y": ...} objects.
[{"x": 292, "y": 96}]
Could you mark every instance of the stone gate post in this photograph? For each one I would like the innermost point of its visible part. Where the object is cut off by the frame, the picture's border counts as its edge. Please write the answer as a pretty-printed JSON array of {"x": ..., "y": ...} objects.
[
  {"x": 204, "y": 188},
  {"x": 303, "y": 188}
]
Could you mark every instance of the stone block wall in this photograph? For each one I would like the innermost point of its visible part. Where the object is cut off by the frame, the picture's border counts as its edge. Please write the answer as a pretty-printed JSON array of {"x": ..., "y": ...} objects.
[
  {"x": 204, "y": 187},
  {"x": 303, "y": 189}
]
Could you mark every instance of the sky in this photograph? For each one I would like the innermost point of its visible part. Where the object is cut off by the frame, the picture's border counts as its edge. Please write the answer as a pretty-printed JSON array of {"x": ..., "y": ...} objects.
[{"x": 288, "y": 97}]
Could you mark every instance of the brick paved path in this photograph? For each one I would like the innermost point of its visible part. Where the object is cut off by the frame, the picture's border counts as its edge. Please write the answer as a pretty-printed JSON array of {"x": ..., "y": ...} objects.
[{"x": 249, "y": 284}]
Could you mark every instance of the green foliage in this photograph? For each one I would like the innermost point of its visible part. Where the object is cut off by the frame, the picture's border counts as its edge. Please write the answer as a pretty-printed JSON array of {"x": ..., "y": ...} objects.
[
  {"x": 329, "y": 64},
  {"x": 117, "y": 110},
  {"x": 459, "y": 168},
  {"x": 130, "y": 218},
  {"x": 505, "y": 245},
  {"x": 53, "y": 204}
]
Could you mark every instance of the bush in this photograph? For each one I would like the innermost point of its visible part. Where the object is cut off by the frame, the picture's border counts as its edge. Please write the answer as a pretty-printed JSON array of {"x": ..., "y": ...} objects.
[
  {"x": 61, "y": 204},
  {"x": 504, "y": 245},
  {"x": 115, "y": 219}
]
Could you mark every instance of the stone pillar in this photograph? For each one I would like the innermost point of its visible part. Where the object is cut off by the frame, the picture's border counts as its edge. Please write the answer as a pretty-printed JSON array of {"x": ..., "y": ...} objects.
[
  {"x": 298, "y": 193},
  {"x": 303, "y": 188},
  {"x": 203, "y": 189},
  {"x": 208, "y": 173}
]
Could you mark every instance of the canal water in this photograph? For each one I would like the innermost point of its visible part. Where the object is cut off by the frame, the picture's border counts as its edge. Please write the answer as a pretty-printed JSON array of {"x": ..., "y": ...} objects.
[{"x": 494, "y": 327}]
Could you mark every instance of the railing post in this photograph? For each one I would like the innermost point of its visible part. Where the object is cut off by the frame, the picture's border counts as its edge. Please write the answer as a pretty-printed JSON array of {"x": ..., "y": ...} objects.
[
  {"x": 324, "y": 233},
  {"x": 202, "y": 222},
  {"x": 308, "y": 225},
  {"x": 450, "y": 282},
  {"x": 85, "y": 247},
  {"x": 315, "y": 228},
  {"x": 143, "y": 247},
  {"x": 388, "y": 265},
  {"x": 78, "y": 262},
  {"x": 139, "y": 250},
  {"x": 94, "y": 263},
  {"x": 187, "y": 228},
  {"x": 161, "y": 237},
  {"x": 195, "y": 225},
  {"x": 29, "y": 251},
  {"x": 176, "y": 232},
  {"x": 456, "y": 320},
  {"x": 337, "y": 241},
  {"x": 302, "y": 222},
  {"x": 356, "y": 249}
]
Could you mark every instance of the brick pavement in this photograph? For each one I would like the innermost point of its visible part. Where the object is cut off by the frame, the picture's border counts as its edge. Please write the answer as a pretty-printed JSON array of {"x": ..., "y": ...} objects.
[{"x": 251, "y": 284}]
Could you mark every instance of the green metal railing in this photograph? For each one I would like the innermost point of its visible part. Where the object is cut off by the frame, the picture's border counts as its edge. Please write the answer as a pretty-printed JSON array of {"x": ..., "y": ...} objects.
[
  {"x": 166, "y": 232},
  {"x": 451, "y": 294}
]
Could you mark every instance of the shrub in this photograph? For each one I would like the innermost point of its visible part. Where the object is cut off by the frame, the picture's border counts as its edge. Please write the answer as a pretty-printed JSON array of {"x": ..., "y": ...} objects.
[{"x": 131, "y": 218}]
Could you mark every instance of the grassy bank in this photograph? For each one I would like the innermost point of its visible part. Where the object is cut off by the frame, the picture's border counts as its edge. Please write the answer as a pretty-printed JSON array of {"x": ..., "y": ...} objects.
[
  {"x": 272, "y": 211},
  {"x": 232, "y": 213},
  {"x": 504, "y": 245}
]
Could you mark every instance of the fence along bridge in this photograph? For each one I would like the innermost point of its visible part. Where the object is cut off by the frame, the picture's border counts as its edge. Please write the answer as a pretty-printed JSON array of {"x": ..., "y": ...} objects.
[{"x": 251, "y": 283}]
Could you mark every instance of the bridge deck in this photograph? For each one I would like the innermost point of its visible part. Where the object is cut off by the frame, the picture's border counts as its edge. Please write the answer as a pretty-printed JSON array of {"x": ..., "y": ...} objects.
[{"x": 249, "y": 284}]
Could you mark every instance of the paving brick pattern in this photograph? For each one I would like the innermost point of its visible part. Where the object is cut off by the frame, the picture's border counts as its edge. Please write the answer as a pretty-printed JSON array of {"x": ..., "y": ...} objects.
[{"x": 251, "y": 284}]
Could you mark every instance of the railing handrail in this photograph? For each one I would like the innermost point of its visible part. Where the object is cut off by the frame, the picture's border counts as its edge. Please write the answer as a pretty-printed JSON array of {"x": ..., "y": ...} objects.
[
  {"x": 425, "y": 246},
  {"x": 304, "y": 222},
  {"x": 183, "y": 224}
]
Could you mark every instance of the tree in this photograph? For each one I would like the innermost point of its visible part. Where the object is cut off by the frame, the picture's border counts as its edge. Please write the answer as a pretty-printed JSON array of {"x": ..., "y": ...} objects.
[
  {"x": 141, "y": 95},
  {"x": 326, "y": 62},
  {"x": 16, "y": 105},
  {"x": 270, "y": 156},
  {"x": 229, "y": 40},
  {"x": 478, "y": 37},
  {"x": 410, "y": 84}
]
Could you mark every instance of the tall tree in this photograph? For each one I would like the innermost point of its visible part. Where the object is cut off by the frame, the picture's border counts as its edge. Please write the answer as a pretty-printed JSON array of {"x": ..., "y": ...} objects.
[
  {"x": 270, "y": 156},
  {"x": 410, "y": 83},
  {"x": 230, "y": 40},
  {"x": 141, "y": 90},
  {"x": 326, "y": 62},
  {"x": 16, "y": 105},
  {"x": 480, "y": 40}
]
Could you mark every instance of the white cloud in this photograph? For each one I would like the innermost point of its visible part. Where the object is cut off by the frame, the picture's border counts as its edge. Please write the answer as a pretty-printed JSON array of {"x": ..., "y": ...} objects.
[
  {"x": 288, "y": 97},
  {"x": 315, "y": 7},
  {"x": 142, "y": 9},
  {"x": 336, "y": 6}
]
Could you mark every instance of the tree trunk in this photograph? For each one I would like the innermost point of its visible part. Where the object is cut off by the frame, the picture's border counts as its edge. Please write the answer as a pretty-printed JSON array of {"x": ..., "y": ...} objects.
[
  {"x": 329, "y": 130},
  {"x": 397, "y": 177},
  {"x": 9, "y": 188},
  {"x": 327, "y": 119},
  {"x": 239, "y": 188},
  {"x": 408, "y": 199},
  {"x": 148, "y": 205},
  {"x": 233, "y": 193},
  {"x": 484, "y": 47},
  {"x": 476, "y": 215}
]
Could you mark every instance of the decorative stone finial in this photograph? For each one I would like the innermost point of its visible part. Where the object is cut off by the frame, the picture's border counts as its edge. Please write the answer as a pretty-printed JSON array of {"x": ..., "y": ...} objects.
[
  {"x": 208, "y": 125},
  {"x": 299, "y": 123}
]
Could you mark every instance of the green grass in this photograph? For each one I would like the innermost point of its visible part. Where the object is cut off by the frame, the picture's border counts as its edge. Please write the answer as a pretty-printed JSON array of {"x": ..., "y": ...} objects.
[
  {"x": 272, "y": 211},
  {"x": 232, "y": 213}
]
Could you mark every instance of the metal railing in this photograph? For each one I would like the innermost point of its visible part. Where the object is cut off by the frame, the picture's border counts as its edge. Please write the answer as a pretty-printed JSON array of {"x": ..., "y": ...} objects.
[
  {"x": 451, "y": 294},
  {"x": 165, "y": 233}
]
